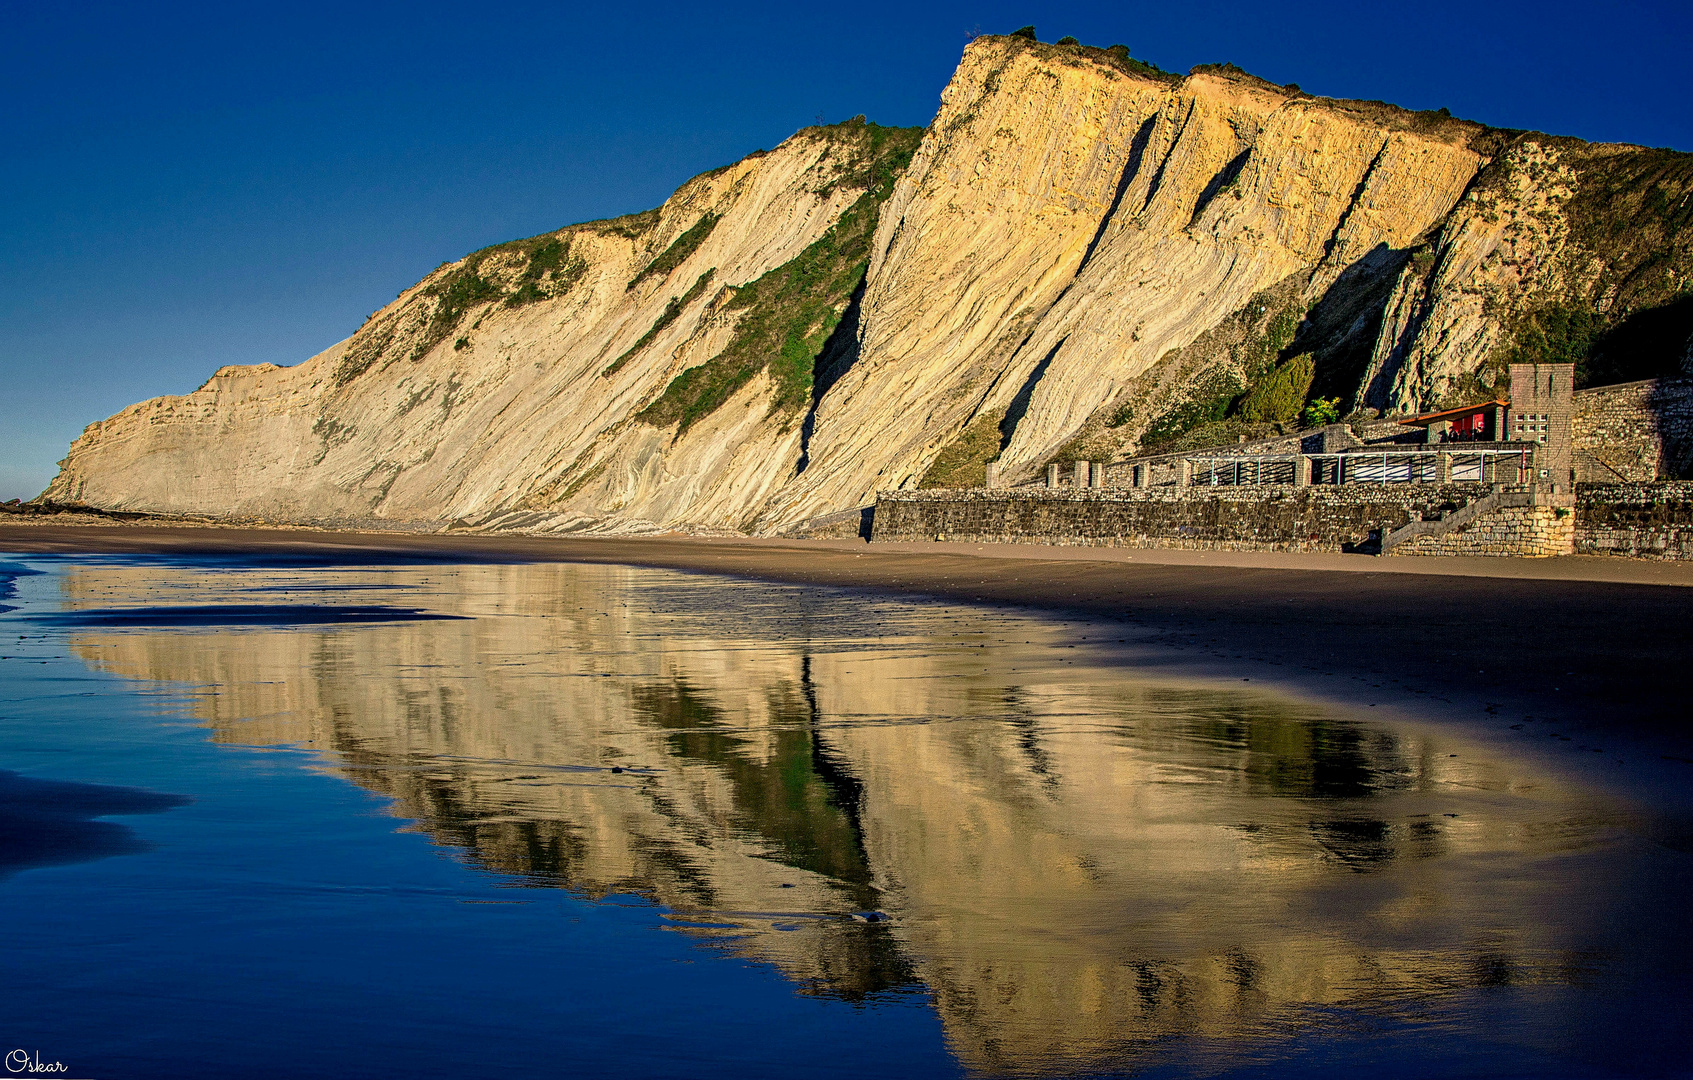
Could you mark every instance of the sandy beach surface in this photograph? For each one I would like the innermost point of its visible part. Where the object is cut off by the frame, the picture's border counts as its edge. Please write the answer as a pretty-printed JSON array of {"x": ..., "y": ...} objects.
[{"x": 1578, "y": 660}]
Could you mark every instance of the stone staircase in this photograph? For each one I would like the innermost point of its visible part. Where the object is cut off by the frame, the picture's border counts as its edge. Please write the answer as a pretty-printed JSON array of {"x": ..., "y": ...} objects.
[{"x": 1509, "y": 521}]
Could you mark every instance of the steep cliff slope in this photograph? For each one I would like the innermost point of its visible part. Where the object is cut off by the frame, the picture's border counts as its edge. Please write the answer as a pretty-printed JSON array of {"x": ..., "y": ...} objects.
[
  {"x": 652, "y": 370},
  {"x": 1561, "y": 251},
  {"x": 1067, "y": 225},
  {"x": 1084, "y": 257}
]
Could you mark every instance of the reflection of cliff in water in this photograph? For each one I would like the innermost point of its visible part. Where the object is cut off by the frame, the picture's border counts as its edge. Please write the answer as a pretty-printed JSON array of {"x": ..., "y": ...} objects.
[{"x": 1078, "y": 865}]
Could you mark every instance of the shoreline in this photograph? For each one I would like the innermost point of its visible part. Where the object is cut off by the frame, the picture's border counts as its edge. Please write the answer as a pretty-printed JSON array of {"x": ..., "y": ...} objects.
[
  {"x": 1576, "y": 659},
  {"x": 656, "y": 549}
]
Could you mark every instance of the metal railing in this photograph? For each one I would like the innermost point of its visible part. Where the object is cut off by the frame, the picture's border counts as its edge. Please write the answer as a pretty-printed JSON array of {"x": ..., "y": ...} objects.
[
  {"x": 1359, "y": 467},
  {"x": 1242, "y": 470}
]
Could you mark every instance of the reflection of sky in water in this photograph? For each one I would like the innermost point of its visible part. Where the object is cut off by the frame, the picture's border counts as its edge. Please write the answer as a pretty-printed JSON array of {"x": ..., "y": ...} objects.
[{"x": 889, "y": 807}]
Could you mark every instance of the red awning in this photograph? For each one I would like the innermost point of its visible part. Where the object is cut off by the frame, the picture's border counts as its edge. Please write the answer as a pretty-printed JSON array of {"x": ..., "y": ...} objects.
[{"x": 1426, "y": 419}]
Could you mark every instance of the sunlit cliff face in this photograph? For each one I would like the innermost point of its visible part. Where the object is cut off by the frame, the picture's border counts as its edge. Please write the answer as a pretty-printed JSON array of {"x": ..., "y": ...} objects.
[{"x": 1079, "y": 861}]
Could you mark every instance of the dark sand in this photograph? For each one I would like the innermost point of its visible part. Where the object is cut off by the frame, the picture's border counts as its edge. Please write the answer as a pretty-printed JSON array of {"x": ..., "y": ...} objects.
[{"x": 1581, "y": 656}]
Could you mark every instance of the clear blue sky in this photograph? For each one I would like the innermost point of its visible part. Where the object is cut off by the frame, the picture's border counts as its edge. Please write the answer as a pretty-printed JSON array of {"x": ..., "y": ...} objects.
[{"x": 189, "y": 186}]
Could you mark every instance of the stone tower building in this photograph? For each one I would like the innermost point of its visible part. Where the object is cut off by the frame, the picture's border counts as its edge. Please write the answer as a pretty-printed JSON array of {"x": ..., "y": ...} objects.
[{"x": 1539, "y": 412}]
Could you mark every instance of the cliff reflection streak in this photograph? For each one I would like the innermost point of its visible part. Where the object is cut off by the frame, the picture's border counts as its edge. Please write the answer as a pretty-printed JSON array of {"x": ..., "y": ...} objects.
[{"x": 1080, "y": 863}]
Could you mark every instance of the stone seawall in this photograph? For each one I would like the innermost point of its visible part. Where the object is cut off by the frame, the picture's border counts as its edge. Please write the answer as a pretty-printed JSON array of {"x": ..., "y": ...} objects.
[
  {"x": 1231, "y": 519},
  {"x": 1640, "y": 519}
]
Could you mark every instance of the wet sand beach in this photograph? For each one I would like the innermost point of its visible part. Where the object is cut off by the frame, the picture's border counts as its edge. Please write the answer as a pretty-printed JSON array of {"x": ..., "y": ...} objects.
[
  {"x": 962, "y": 810},
  {"x": 1581, "y": 657}
]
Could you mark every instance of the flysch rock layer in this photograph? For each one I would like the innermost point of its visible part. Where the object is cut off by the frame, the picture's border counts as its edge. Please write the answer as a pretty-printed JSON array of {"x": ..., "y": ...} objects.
[
  {"x": 1071, "y": 232},
  {"x": 512, "y": 407},
  {"x": 1081, "y": 221},
  {"x": 1435, "y": 325}
]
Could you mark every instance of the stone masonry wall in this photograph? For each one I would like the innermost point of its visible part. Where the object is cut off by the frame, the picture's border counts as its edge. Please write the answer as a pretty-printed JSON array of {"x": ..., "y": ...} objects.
[
  {"x": 1281, "y": 518},
  {"x": 1651, "y": 520},
  {"x": 1542, "y": 412},
  {"x": 1531, "y": 531},
  {"x": 1640, "y": 519},
  {"x": 1637, "y": 431}
]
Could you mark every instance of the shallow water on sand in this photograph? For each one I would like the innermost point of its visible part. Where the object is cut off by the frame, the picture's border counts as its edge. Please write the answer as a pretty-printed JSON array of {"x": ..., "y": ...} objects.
[{"x": 272, "y": 819}]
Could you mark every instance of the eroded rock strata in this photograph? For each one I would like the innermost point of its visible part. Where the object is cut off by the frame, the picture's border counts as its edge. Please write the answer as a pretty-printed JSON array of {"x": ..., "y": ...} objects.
[{"x": 1080, "y": 256}]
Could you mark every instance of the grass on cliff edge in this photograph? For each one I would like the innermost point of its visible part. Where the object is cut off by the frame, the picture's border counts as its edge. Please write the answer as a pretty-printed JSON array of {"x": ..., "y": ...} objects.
[
  {"x": 549, "y": 269},
  {"x": 792, "y": 310},
  {"x": 520, "y": 272},
  {"x": 679, "y": 250},
  {"x": 1067, "y": 49}
]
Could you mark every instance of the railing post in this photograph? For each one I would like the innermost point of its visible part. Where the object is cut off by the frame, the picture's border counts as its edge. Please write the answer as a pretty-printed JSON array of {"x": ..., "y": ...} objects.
[
  {"x": 1184, "y": 473},
  {"x": 1052, "y": 476},
  {"x": 1301, "y": 471},
  {"x": 992, "y": 478},
  {"x": 1443, "y": 468},
  {"x": 1081, "y": 475},
  {"x": 1096, "y": 474}
]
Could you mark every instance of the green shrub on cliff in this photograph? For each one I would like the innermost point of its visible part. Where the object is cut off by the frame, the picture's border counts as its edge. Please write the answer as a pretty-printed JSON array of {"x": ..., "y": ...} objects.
[
  {"x": 551, "y": 271},
  {"x": 1608, "y": 348},
  {"x": 1278, "y": 395},
  {"x": 790, "y": 313},
  {"x": 1555, "y": 334},
  {"x": 461, "y": 290},
  {"x": 1118, "y": 55},
  {"x": 1212, "y": 395},
  {"x": 1321, "y": 411}
]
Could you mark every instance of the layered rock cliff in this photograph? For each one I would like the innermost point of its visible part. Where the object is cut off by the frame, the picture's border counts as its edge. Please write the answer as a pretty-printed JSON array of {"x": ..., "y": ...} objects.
[
  {"x": 1080, "y": 256},
  {"x": 616, "y": 366}
]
